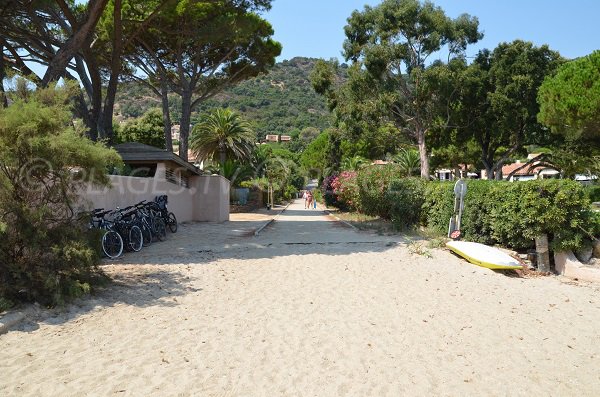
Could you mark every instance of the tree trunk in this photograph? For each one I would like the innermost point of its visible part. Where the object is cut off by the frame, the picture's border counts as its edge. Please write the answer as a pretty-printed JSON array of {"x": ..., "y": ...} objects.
[
  {"x": 184, "y": 130},
  {"x": 115, "y": 70},
  {"x": 222, "y": 158},
  {"x": 68, "y": 50},
  {"x": 164, "y": 92},
  {"x": 423, "y": 154},
  {"x": 3, "y": 98},
  {"x": 543, "y": 253}
]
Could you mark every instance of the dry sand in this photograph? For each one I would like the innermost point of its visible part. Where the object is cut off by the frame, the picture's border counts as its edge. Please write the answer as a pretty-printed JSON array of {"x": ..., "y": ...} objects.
[{"x": 309, "y": 308}]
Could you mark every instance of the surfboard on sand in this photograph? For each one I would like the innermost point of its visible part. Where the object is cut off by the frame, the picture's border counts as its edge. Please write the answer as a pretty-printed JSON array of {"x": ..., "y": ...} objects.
[{"x": 483, "y": 255}]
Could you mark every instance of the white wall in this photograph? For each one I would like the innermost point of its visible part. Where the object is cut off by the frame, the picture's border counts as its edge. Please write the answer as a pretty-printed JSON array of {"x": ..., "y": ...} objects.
[{"x": 207, "y": 198}]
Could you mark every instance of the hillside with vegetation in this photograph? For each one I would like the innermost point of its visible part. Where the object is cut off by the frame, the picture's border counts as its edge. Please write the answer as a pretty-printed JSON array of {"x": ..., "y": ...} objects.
[{"x": 279, "y": 102}]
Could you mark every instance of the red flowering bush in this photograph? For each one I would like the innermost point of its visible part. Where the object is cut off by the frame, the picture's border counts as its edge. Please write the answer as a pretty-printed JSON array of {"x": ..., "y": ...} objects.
[{"x": 345, "y": 187}]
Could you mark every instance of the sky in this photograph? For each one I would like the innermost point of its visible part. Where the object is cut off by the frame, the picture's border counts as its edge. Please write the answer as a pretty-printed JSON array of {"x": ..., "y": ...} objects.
[{"x": 315, "y": 28}]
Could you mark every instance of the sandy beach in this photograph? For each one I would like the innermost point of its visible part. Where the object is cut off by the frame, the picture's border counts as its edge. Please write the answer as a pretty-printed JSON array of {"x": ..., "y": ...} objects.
[{"x": 308, "y": 308}]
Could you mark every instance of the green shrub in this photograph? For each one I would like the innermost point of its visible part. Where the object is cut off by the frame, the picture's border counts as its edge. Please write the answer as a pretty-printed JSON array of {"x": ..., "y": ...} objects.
[
  {"x": 514, "y": 213},
  {"x": 405, "y": 198},
  {"x": 373, "y": 183},
  {"x": 45, "y": 253},
  {"x": 593, "y": 193}
]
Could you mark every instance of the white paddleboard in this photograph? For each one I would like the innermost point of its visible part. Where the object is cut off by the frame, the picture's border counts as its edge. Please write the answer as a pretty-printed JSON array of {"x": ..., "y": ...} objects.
[{"x": 484, "y": 255}]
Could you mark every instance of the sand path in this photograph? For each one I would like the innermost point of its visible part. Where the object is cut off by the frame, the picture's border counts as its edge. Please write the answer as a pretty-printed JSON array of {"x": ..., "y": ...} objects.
[{"x": 308, "y": 308}]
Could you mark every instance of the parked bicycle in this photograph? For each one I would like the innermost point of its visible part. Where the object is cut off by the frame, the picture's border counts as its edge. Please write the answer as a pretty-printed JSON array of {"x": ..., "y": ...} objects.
[
  {"x": 112, "y": 243},
  {"x": 152, "y": 223},
  {"x": 168, "y": 217},
  {"x": 127, "y": 226}
]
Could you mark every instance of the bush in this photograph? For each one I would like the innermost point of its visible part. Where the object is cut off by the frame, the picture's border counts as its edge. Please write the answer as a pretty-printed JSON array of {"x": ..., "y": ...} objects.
[
  {"x": 345, "y": 188},
  {"x": 45, "y": 253},
  {"x": 405, "y": 198},
  {"x": 593, "y": 193},
  {"x": 328, "y": 191},
  {"x": 373, "y": 184},
  {"x": 513, "y": 214}
]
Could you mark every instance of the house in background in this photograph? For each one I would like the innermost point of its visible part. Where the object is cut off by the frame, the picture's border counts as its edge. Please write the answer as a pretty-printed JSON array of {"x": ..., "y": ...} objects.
[
  {"x": 536, "y": 167},
  {"x": 462, "y": 171}
]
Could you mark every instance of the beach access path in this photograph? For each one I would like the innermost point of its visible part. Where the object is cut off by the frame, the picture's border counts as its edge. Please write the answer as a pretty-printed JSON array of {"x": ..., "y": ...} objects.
[{"x": 309, "y": 307}]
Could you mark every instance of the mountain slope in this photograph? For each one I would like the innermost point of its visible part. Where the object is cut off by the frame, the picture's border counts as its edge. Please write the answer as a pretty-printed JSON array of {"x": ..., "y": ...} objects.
[{"x": 275, "y": 103}]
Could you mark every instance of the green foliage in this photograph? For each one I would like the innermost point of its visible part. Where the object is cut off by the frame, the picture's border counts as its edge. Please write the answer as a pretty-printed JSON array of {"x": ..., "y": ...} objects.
[
  {"x": 373, "y": 184},
  {"x": 222, "y": 134},
  {"x": 389, "y": 45},
  {"x": 593, "y": 192},
  {"x": 570, "y": 100},
  {"x": 506, "y": 213},
  {"x": 279, "y": 101},
  {"x": 46, "y": 254},
  {"x": 315, "y": 155},
  {"x": 408, "y": 161},
  {"x": 496, "y": 107},
  {"x": 405, "y": 197},
  {"x": 513, "y": 214},
  {"x": 353, "y": 163},
  {"x": 148, "y": 129}
]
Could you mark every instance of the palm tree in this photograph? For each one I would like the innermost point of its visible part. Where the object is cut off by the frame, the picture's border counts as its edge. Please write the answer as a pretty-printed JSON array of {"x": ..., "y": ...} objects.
[
  {"x": 408, "y": 160},
  {"x": 354, "y": 163},
  {"x": 222, "y": 134}
]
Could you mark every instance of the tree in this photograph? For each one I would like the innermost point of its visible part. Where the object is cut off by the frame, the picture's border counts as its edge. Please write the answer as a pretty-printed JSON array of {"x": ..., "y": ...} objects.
[
  {"x": 147, "y": 129},
  {"x": 408, "y": 161},
  {"x": 570, "y": 100},
  {"x": 315, "y": 155},
  {"x": 390, "y": 44},
  {"x": 353, "y": 163},
  {"x": 222, "y": 134},
  {"x": 497, "y": 107},
  {"x": 198, "y": 48},
  {"x": 76, "y": 41},
  {"x": 44, "y": 163}
]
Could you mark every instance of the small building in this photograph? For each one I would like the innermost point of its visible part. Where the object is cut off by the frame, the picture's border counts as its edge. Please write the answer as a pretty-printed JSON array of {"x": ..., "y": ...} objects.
[
  {"x": 446, "y": 174},
  {"x": 272, "y": 138},
  {"x": 285, "y": 138},
  {"x": 149, "y": 161},
  {"x": 153, "y": 172}
]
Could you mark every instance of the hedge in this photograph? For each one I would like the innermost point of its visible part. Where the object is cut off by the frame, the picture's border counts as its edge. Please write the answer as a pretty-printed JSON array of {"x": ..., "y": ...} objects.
[{"x": 511, "y": 214}]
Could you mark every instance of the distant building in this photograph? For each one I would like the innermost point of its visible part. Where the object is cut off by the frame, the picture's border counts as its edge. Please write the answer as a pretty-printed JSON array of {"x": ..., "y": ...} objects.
[
  {"x": 523, "y": 171},
  {"x": 451, "y": 174},
  {"x": 285, "y": 138},
  {"x": 380, "y": 162},
  {"x": 272, "y": 138}
]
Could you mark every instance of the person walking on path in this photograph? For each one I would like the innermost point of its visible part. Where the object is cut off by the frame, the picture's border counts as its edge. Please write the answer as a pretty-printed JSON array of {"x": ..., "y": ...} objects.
[
  {"x": 305, "y": 197},
  {"x": 309, "y": 199}
]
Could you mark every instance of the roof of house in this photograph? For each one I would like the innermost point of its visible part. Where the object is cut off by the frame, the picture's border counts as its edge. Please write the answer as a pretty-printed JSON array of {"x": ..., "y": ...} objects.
[
  {"x": 138, "y": 152},
  {"x": 530, "y": 169}
]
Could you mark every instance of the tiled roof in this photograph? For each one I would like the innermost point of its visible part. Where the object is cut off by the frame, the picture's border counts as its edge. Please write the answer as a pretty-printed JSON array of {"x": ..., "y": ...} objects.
[{"x": 530, "y": 169}]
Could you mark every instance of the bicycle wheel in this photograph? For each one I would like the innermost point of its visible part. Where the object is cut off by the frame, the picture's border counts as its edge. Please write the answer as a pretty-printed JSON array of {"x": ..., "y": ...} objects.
[
  {"x": 172, "y": 222},
  {"x": 112, "y": 244},
  {"x": 161, "y": 229},
  {"x": 136, "y": 239},
  {"x": 146, "y": 234}
]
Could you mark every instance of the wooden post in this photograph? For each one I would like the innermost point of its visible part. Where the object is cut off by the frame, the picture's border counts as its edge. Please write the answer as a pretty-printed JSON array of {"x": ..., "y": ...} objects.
[{"x": 543, "y": 254}]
